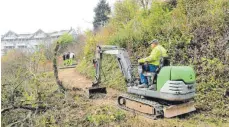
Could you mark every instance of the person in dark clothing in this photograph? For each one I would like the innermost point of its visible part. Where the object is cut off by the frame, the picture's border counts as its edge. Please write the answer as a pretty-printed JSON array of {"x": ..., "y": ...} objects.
[
  {"x": 68, "y": 58},
  {"x": 64, "y": 58}
]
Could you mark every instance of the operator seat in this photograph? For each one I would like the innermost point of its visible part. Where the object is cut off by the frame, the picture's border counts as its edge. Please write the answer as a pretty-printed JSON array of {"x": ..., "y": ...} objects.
[{"x": 164, "y": 61}]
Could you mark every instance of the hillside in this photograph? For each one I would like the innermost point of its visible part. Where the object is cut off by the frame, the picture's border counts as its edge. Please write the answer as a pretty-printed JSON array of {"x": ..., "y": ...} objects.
[{"x": 195, "y": 33}]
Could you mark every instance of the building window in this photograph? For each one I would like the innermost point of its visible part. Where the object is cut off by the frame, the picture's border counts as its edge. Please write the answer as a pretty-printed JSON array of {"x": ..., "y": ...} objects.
[{"x": 9, "y": 47}]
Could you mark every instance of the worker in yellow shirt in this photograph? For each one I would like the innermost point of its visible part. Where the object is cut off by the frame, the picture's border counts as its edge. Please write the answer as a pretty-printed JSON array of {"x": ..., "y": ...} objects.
[{"x": 153, "y": 61}]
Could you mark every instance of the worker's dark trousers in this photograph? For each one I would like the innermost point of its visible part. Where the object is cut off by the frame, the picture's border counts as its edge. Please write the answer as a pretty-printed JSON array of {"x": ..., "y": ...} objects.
[{"x": 149, "y": 68}]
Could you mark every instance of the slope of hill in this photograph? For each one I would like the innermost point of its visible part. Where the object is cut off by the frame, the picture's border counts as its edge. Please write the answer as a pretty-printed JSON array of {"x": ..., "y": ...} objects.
[{"x": 195, "y": 33}]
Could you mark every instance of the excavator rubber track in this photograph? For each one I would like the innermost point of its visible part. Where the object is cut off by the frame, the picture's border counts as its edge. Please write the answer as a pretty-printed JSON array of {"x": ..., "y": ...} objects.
[
  {"x": 153, "y": 109},
  {"x": 147, "y": 108}
]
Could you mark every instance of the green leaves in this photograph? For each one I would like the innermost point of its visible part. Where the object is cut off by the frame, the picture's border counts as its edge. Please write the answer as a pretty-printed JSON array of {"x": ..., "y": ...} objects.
[
  {"x": 105, "y": 115},
  {"x": 65, "y": 38}
]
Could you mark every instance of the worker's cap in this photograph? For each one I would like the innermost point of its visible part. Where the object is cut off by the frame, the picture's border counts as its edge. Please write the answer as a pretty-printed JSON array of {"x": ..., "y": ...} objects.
[{"x": 155, "y": 41}]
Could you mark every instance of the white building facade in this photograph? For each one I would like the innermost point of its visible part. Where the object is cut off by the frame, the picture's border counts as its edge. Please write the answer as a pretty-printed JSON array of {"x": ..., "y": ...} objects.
[{"x": 30, "y": 42}]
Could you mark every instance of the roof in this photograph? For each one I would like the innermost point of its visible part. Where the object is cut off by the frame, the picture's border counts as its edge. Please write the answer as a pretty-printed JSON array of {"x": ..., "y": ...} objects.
[
  {"x": 38, "y": 34},
  {"x": 58, "y": 33},
  {"x": 24, "y": 36}
]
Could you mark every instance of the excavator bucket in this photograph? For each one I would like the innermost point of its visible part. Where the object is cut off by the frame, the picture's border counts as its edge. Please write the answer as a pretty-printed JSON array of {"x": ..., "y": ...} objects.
[
  {"x": 176, "y": 110},
  {"x": 96, "y": 91}
]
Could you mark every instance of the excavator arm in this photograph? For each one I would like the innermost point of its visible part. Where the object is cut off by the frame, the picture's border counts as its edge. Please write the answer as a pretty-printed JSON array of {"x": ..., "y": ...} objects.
[{"x": 122, "y": 59}]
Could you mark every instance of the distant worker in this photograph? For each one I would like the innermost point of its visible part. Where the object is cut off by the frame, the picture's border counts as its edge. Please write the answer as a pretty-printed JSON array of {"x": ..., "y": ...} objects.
[
  {"x": 64, "y": 58},
  {"x": 153, "y": 61},
  {"x": 71, "y": 57},
  {"x": 67, "y": 58}
]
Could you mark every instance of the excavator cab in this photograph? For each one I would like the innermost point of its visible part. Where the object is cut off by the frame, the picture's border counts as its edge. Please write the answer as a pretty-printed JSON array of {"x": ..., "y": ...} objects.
[{"x": 152, "y": 76}]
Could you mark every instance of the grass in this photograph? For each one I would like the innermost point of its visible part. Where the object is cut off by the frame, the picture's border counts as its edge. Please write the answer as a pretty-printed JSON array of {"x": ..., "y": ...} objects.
[{"x": 107, "y": 115}]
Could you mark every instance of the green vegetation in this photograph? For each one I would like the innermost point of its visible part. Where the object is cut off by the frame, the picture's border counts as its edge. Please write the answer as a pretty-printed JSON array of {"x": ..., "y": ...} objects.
[
  {"x": 26, "y": 90},
  {"x": 194, "y": 32},
  {"x": 105, "y": 115}
]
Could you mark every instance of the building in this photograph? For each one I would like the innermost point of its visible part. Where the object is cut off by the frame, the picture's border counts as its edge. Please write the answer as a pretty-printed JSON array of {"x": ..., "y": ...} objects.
[{"x": 30, "y": 42}]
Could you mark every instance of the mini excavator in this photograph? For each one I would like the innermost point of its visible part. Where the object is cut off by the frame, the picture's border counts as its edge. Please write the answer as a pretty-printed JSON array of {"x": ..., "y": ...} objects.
[{"x": 174, "y": 86}]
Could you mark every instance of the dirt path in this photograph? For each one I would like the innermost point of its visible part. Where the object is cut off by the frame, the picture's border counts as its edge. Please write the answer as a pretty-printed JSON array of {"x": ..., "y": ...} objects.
[{"x": 72, "y": 79}]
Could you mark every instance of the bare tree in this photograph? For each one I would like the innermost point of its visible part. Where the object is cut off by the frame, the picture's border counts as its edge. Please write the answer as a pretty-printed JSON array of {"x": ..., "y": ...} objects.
[
  {"x": 145, "y": 4},
  {"x": 64, "y": 39}
]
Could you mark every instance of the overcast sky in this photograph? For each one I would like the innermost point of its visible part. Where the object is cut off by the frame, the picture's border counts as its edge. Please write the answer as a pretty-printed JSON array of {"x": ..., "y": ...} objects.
[{"x": 27, "y": 16}]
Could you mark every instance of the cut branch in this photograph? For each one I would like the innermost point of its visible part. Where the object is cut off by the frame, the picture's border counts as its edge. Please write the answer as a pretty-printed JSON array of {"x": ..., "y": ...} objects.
[
  {"x": 28, "y": 116},
  {"x": 59, "y": 83},
  {"x": 40, "y": 108}
]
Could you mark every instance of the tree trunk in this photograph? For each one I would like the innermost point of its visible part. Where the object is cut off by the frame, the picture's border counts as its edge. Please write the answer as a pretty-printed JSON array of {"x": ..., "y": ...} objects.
[{"x": 59, "y": 83}]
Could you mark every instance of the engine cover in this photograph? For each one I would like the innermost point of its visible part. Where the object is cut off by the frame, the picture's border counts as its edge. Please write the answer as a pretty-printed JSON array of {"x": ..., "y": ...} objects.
[{"x": 175, "y": 73}]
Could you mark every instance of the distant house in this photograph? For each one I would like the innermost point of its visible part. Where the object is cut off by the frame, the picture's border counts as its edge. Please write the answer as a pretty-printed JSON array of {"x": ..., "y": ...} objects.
[{"x": 30, "y": 42}]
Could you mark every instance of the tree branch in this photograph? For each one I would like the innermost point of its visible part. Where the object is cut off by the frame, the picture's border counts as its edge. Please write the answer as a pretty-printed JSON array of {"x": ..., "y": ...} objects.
[
  {"x": 59, "y": 83},
  {"x": 24, "y": 107},
  {"x": 28, "y": 116},
  {"x": 7, "y": 109}
]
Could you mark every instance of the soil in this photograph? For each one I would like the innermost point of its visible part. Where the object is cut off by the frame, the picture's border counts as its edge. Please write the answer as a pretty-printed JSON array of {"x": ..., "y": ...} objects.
[{"x": 75, "y": 81}]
